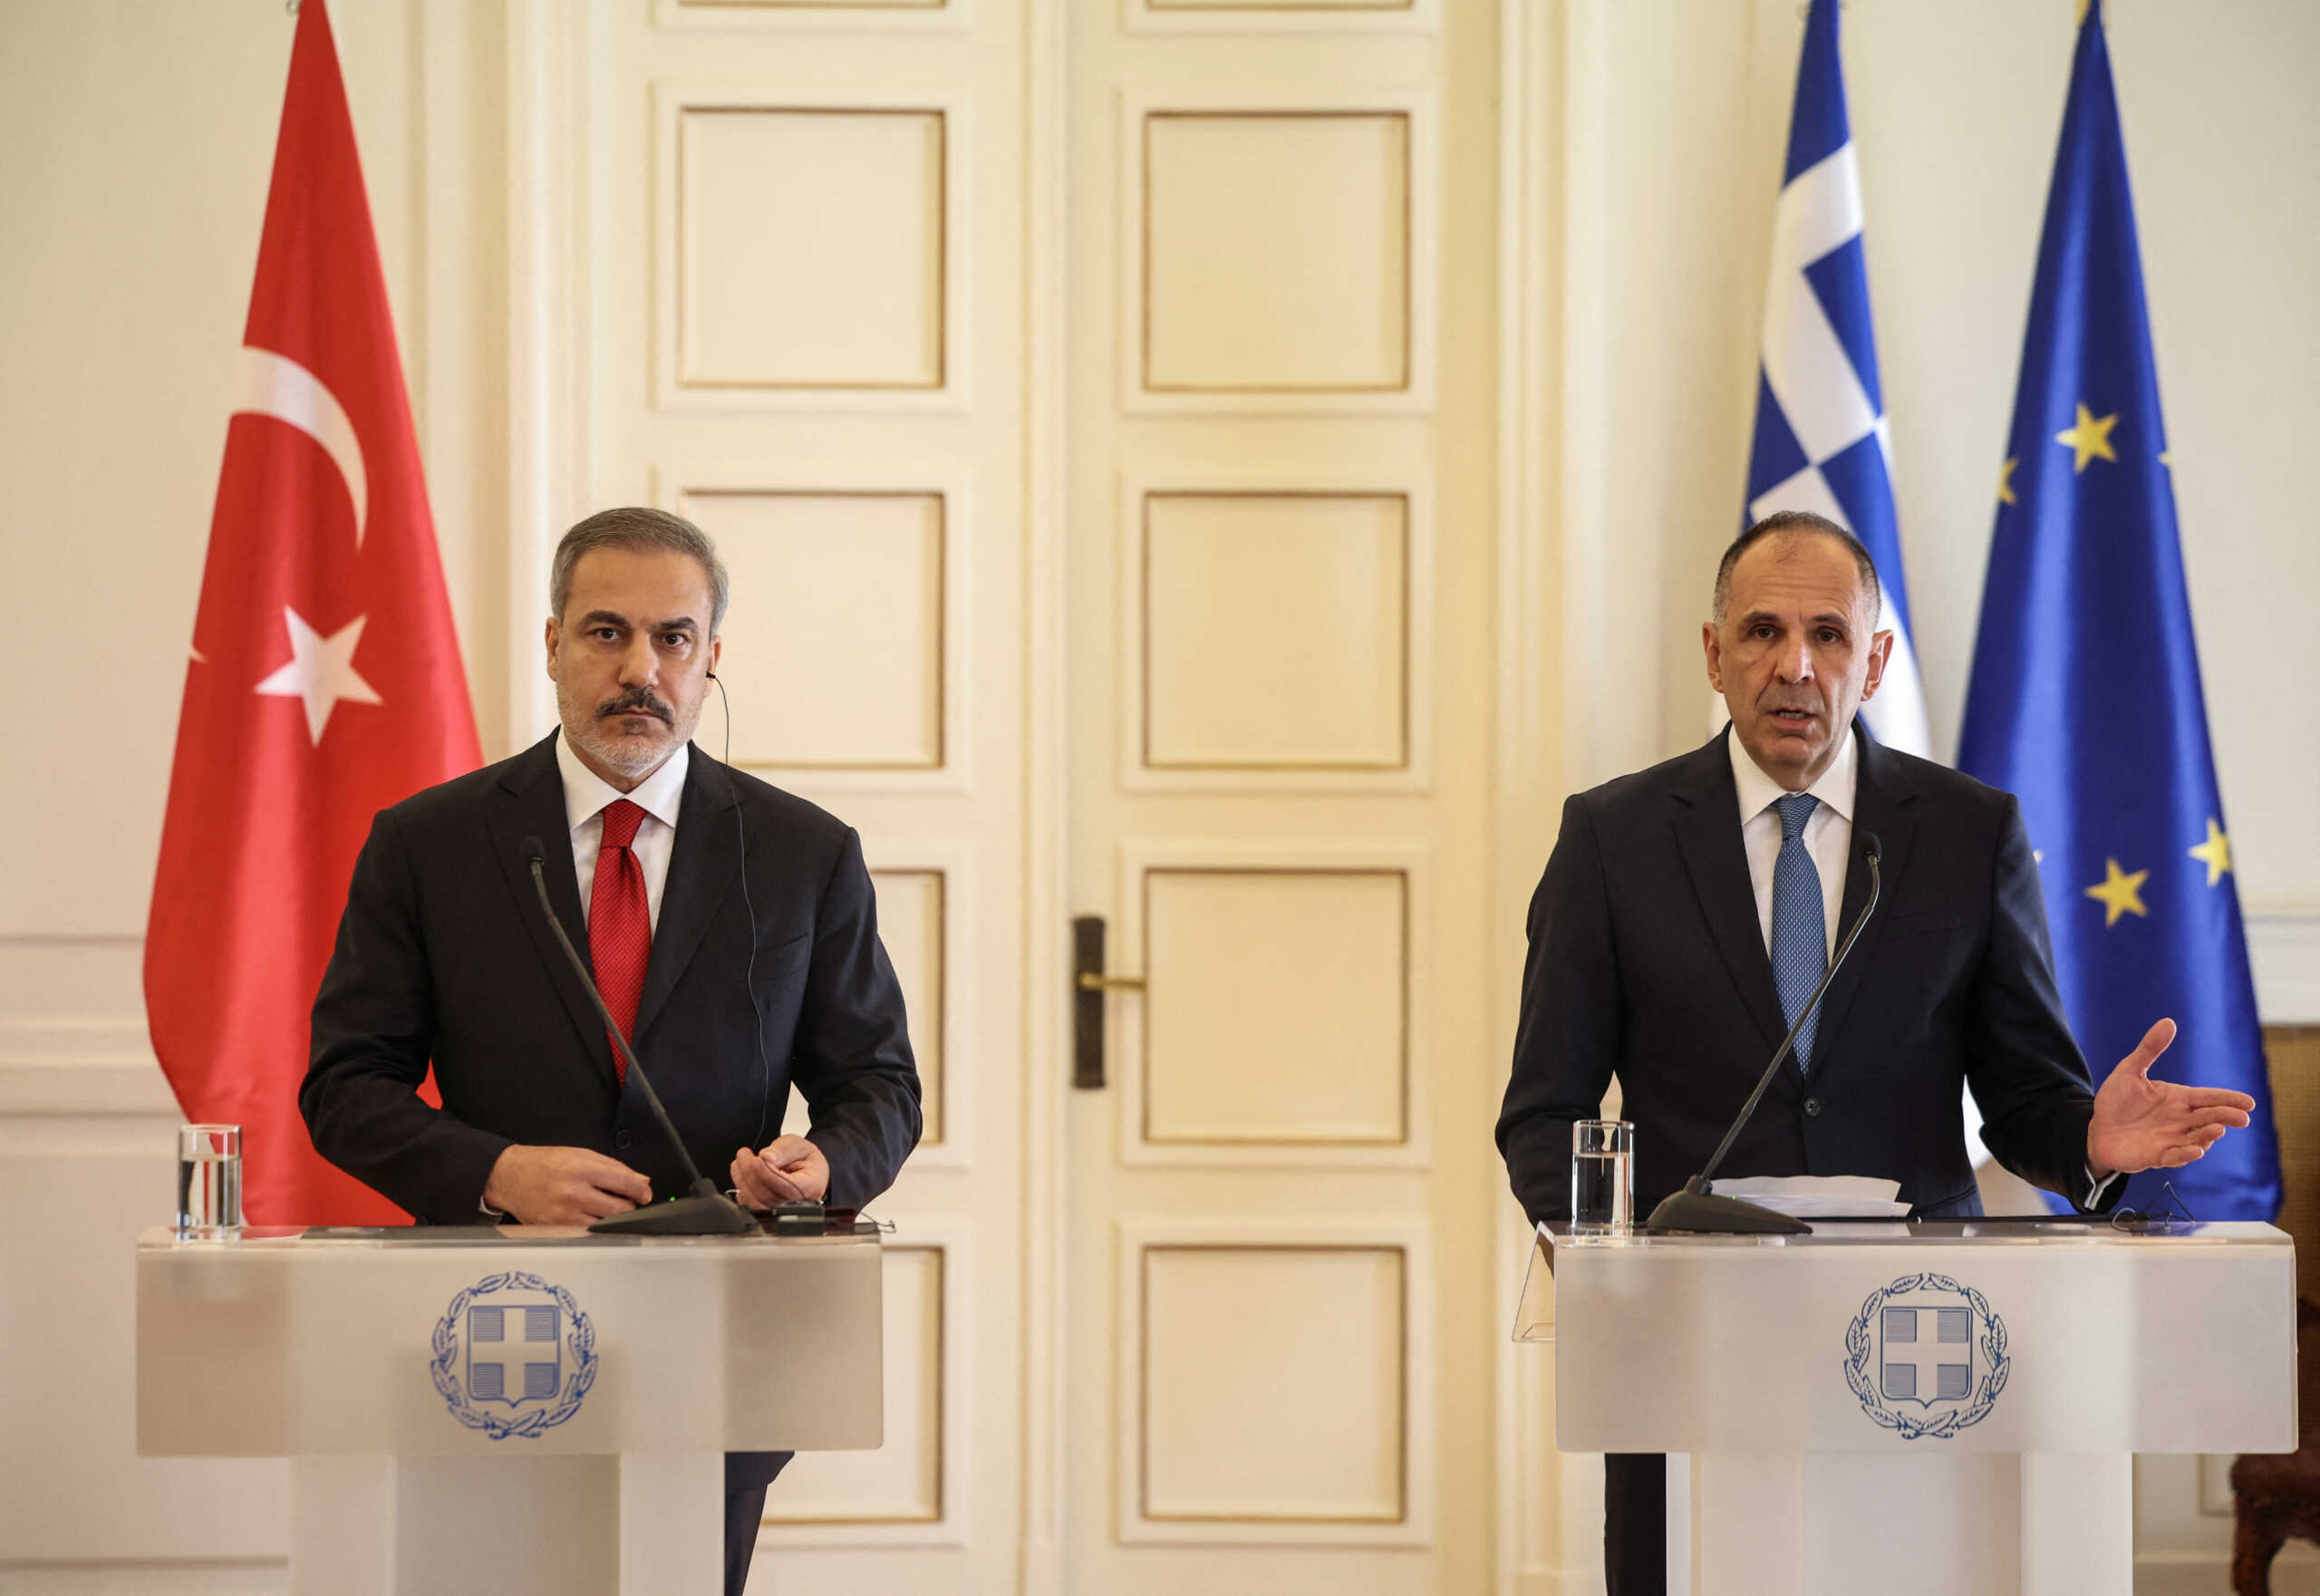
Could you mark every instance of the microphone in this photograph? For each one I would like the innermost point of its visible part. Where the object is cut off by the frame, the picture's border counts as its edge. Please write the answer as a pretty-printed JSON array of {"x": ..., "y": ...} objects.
[
  {"x": 1697, "y": 1207},
  {"x": 706, "y": 1210}
]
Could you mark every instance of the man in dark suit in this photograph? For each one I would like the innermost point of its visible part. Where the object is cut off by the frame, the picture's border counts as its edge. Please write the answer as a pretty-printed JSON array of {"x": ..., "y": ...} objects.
[
  {"x": 1688, "y": 910},
  {"x": 730, "y": 926}
]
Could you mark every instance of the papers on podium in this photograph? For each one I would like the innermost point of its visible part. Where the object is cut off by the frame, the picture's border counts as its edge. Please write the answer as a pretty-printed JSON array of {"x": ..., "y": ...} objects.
[{"x": 1820, "y": 1197}]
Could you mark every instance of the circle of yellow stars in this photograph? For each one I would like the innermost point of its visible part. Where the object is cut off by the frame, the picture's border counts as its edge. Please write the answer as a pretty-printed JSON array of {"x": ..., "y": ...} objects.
[{"x": 2120, "y": 891}]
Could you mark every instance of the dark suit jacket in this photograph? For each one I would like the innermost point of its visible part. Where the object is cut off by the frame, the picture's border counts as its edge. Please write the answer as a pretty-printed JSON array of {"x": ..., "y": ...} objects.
[
  {"x": 443, "y": 954},
  {"x": 1646, "y": 962}
]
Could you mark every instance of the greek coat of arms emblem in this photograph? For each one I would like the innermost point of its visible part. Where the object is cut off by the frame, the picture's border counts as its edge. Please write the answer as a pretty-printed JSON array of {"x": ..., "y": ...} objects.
[
  {"x": 513, "y": 1356},
  {"x": 1927, "y": 1357}
]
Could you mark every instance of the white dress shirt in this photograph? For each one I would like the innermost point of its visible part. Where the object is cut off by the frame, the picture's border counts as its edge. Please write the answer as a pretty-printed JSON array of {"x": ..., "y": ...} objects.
[
  {"x": 659, "y": 795},
  {"x": 1828, "y": 831}
]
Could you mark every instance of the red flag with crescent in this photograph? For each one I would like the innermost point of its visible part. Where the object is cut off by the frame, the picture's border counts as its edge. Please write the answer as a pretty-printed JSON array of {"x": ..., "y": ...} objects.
[{"x": 325, "y": 681}]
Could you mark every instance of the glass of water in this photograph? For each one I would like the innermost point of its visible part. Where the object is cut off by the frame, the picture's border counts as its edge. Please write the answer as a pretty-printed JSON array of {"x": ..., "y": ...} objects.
[
  {"x": 210, "y": 1180},
  {"x": 1602, "y": 1178}
]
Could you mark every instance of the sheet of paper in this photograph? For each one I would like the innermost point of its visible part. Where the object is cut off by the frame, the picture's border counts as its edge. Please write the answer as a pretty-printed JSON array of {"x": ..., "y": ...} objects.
[{"x": 1819, "y": 1197}]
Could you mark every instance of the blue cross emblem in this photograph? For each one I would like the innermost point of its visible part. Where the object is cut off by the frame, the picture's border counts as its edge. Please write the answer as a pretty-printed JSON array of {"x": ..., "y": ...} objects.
[
  {"x": 514, "y": 1352},
  {"x": 513, "y": 1356},
  {"x": 1925, "y": 1352},
  {"x": 1927, "y": 1357}
]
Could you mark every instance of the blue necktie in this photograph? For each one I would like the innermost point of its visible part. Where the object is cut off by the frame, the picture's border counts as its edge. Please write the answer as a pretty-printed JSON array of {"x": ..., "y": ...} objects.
[{"x": 1799, "y": 923}]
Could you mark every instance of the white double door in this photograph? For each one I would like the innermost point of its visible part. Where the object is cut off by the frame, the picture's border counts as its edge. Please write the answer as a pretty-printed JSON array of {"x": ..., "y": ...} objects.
[{"x": 1096, "y": 403}]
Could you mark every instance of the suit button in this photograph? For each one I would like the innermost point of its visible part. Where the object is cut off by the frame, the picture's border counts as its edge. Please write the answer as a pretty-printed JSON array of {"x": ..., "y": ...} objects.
[
  {"x": 624, "y": 1138},
  {"x": 1811, "y": 1106}
]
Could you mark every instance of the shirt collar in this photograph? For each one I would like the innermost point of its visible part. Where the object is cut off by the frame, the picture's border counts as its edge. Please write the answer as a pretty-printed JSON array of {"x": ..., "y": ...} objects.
[
  {"x": 585, "y": 793},
  {"x": 1834, "y": 789}
]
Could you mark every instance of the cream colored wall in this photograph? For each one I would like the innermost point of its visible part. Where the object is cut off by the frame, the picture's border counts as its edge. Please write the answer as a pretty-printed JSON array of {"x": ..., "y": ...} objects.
[{"x": 138, "y": 139}]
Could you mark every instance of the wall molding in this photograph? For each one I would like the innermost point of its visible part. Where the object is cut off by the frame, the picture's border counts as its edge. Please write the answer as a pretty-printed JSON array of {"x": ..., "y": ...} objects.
[
  {"x": 2283, "y": 947},
  {"x": 68, "y": 1064}
]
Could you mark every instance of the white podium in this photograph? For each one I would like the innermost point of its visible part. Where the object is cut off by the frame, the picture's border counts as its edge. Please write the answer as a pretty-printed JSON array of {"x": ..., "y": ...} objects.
[
  {"x": 512, "y": 1410},
  {"x": 1946, "y": 1408}
]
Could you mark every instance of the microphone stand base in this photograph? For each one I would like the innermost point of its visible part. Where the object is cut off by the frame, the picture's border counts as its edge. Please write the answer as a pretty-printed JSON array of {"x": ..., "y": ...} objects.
[
  {"x": 1705, "y": 1214},
  {"x": 686, "y": 1217}
]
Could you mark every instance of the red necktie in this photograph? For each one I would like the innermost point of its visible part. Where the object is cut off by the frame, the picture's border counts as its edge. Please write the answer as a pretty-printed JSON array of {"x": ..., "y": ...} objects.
[{"x": 620, "y": 924}]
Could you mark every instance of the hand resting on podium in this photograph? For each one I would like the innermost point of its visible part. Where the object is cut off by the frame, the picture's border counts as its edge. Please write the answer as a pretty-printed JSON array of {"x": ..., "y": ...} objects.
[
  {"x": 2144, "y": 1123},
  {"x": 791, "y": 1169},
  {"x": 563, "y": 1186}
]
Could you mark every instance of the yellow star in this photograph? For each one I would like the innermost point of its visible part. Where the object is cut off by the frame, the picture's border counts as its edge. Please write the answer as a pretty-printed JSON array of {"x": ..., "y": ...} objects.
[
  {"x": 2167, "y": 459},
  {"x": 2119, "y": 893},
  {"x": 2215, "y": 852},
  {"x": 2006, "y": 481},
  {"x": 2090, "y": 437}
]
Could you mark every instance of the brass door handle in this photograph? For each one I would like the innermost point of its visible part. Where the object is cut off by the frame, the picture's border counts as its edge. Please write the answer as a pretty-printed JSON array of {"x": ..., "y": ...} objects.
[
  {"x": 1089, "y": 985},
  {"x": 1089, "y": 981}
]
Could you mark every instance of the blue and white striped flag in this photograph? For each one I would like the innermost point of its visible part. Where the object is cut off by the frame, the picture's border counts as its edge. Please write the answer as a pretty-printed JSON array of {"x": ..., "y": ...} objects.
[{"x": 1821, "y": 443}]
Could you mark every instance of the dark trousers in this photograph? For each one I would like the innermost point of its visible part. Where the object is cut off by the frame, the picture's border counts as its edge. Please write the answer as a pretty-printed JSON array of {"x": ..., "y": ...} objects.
[
  {"x": 746, "y": 1474},
  {"x": 1635, "y": 1523}
]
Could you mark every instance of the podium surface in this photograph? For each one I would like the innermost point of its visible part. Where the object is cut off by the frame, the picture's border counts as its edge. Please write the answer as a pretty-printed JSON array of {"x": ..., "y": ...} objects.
[
  {"x": 1936, "y": 1406},
  {"x": 507, "y": 1408}
]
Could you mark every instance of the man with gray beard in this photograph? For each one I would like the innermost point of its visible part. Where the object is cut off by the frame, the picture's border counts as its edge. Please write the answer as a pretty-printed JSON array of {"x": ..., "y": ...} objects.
[{"x": 731, "y": 927}]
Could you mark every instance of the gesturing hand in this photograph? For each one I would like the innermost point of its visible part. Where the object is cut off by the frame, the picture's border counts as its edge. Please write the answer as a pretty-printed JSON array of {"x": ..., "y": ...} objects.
[
  {"x": 563, "y": 1186},
  {"x": 2144, "y": 1123},
  {"x": 791, "y": 1170}
]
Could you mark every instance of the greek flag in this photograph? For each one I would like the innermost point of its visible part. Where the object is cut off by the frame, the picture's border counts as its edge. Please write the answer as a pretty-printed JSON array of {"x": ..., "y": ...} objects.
[
  {"x": 1821, "y": 443},
  {"x": 2085, "y": 701}
]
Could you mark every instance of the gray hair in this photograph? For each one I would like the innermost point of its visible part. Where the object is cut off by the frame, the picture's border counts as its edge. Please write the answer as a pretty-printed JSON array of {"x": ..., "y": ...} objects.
[
  {"x": 1780, "y": 521},
  {"x": 634, "y": 527}
]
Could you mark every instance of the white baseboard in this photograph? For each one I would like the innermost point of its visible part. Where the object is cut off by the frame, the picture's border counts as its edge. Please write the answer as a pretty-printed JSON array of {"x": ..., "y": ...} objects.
[
  {"x": 2283, "y": 948},
  {"x": 2294, "y": 1572}
]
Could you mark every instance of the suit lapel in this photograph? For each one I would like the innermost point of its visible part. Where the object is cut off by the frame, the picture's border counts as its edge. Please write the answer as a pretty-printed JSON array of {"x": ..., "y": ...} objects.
[
  {"x": 1707, "y": 830},
  {"x": 529, "y": 803},
  {"x": 1883, "y": 803},
  {"x": 702, "y": 870}
]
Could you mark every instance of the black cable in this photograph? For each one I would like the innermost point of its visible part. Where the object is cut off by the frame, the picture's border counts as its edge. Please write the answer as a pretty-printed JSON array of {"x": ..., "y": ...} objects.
[{"x": 750, "y": 969}]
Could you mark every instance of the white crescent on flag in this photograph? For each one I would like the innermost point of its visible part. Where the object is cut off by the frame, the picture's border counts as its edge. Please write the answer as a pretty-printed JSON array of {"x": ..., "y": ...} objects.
[{"x": 270, "y": 384}]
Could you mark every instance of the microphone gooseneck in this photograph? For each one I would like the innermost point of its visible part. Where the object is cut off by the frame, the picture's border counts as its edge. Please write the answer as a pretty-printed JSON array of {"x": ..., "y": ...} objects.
[
  {"x": 1696, "y": 1208},
  {"x": 705, "y": 1210}
]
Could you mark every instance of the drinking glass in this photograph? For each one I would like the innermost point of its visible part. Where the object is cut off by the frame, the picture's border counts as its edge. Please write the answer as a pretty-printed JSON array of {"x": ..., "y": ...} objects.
[
  {"x": 210, "y": 1180},
  {"x": 1602, "y": 1178}
]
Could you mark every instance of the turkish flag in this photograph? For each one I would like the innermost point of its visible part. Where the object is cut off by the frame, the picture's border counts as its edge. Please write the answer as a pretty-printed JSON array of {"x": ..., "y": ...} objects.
[{"x": 325, "y": 681}]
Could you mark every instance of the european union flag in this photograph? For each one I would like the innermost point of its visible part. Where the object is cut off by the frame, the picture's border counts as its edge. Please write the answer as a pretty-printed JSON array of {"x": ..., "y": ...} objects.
[{"x": 2085, "y": 698}]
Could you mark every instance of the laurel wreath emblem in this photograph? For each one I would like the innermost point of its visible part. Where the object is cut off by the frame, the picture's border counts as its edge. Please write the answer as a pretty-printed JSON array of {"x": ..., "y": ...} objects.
[
  {"x": 1941, "y": 1426},
  {"x": 581, "y": 1343}
]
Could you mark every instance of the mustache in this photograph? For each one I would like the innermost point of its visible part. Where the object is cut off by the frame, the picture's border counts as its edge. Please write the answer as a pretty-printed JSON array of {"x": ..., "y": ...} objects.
[{"x": 636, "y": 702}]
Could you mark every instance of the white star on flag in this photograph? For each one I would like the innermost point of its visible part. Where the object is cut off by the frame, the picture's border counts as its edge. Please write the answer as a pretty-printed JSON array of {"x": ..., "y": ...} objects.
[{"x": 321, "y": 671}]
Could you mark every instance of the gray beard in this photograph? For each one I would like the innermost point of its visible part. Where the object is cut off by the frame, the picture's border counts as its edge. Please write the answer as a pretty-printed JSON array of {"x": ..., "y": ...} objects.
[{"x": 633, "y": 763}]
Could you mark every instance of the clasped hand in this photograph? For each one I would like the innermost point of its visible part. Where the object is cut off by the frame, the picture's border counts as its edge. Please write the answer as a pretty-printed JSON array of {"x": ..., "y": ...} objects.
[
  {"x": 563, "y": 1186},
  {"x": 2144, "y": 1123}
]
